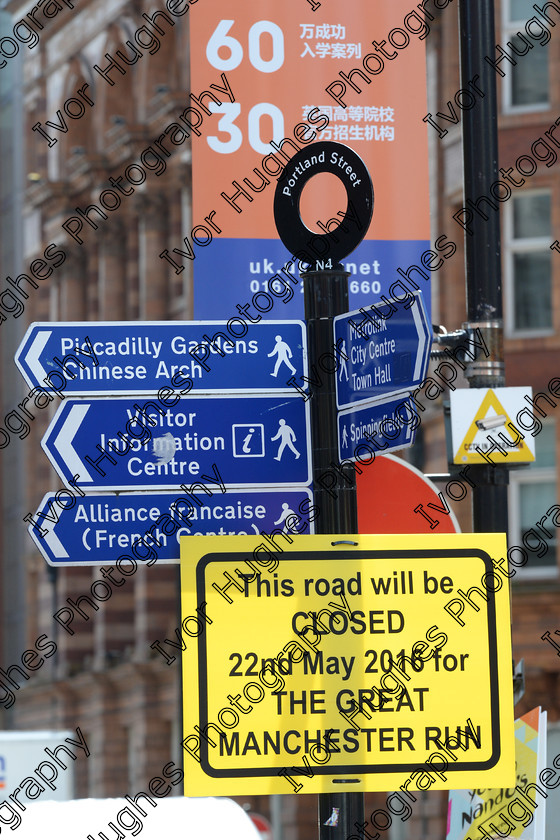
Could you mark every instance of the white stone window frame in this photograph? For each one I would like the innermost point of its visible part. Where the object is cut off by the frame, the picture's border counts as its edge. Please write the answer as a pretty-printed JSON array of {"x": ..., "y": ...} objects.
[
  {"x": 517, "y": 479},
  {"x": 508, "y": 29},
  {"x": 512, "y": 246}
]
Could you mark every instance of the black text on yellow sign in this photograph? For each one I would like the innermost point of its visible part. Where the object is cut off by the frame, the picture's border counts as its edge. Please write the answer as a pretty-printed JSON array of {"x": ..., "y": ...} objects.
[{"x": 317, "y": 665}]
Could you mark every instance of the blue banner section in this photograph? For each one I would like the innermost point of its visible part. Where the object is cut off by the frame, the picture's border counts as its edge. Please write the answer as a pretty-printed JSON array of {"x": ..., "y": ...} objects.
[
  {"x": 377, "y": 427},
  {"x": 385, "y": 350},
  {"x": 100, "y": 528},
  {"x": 231, "y": 273},
  {"x": 235, "y": 441},
  {"x": 93, "y": 358}
]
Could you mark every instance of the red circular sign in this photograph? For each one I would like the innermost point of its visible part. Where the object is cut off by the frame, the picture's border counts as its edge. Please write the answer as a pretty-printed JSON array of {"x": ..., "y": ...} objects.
[{"x": 388, "y": 492}]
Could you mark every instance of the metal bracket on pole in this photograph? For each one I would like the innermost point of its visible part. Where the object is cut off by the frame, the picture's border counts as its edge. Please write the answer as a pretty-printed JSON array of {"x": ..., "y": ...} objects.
[
  {"x": 446, "y": 340},
  {"x": 488, "y": 364},
  {"x": 481, "y": 343}
]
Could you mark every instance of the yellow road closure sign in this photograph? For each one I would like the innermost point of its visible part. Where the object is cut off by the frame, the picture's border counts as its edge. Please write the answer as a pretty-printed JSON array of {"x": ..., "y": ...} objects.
[{"x": 367, "y": 662}]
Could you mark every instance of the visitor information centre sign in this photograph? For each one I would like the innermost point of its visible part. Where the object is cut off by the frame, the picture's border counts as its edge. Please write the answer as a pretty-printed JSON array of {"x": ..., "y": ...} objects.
[{"x": 254, "y": 441}]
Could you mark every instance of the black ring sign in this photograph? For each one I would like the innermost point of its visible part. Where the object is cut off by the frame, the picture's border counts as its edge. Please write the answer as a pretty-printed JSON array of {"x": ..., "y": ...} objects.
[{"x": 351, "y": 170}]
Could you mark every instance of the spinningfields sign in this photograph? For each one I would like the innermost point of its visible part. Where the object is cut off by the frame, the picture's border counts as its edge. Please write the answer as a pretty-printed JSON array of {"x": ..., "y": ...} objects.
[{"x": 325, "y": 660}]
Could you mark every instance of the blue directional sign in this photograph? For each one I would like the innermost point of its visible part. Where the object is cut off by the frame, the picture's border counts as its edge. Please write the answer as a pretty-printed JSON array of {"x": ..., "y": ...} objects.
[
  {"x": 245, "y": 442},
  {"x": 387, "y": 350},
  {"x": 100, "y": 528},
  {"x": 381, "y": 427},
  {"x": 130, "y": 357}
]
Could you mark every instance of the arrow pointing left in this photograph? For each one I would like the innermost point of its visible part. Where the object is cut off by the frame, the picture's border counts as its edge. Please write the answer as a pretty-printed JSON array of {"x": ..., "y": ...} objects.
[{"x": 99, "y": 528}]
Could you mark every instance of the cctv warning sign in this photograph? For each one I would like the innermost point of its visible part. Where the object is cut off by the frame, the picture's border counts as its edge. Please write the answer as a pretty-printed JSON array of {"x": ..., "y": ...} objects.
[
  {"x": 386, "y": 661},
  {"x": 493, "y": 426}
]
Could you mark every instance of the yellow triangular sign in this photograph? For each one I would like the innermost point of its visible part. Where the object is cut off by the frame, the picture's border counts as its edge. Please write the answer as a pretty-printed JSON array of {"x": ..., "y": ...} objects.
[{"x": 492, "y": 421}]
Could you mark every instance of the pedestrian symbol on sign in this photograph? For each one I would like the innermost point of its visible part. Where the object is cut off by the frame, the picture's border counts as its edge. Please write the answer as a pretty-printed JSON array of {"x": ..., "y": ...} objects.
[
  {"x": 283, "y": 353},
  {"x": 343, "y": 367},
  {"x": 282, "y": 519},
  {"x": 248, "y": 440},
  {"x": 287, "y": 437}
]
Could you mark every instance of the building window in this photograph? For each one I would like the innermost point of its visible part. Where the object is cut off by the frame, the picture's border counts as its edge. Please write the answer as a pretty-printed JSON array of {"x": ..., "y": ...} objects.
[
  {"x": 525, "y": 85},
  {"x": 532, "y": 492},
  {"x": 528, "y": 264}
]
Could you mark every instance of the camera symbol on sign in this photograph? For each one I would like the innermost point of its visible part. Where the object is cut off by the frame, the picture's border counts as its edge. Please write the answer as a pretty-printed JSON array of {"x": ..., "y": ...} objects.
[
  {"x": 489, "y": 423},
  {"x": 248, "y": 440}
]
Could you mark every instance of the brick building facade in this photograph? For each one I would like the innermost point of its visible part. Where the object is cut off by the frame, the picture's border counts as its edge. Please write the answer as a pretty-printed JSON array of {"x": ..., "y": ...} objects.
[
  {"x": 529, "y": 139},
  {"x": 528, "y": 108},
  {"x": 104, "y": 677}
]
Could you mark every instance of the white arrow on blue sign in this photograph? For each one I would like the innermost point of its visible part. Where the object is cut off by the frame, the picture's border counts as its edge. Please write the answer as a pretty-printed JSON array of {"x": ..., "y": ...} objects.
[
  {"x": 142, "y": 357},
  {"x": 255, "y": 441},
  {"x": 99, "y": 528},
  {"x": 387, "y": 350},
  {"x": 381, "y": 427}
]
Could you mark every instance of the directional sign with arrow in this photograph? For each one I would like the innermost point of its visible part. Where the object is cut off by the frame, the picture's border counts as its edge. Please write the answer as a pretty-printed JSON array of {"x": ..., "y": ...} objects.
[
  {"x": 387, "y": 349},
  {"x": 255, "y": 441},
  {"x": 141, "y": 357},
  {"x": 100, "y": 527},
  {"x": 386, "y": 427}
]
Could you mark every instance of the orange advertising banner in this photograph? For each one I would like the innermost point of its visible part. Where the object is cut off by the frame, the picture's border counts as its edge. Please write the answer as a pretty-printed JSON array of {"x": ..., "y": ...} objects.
[{"x": 271, "y": 78}]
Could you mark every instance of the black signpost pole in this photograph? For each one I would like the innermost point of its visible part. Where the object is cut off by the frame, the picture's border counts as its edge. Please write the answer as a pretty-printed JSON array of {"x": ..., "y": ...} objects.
[
  {"x": 326, "y": 295},
  {"x": 483, "y": 257}
]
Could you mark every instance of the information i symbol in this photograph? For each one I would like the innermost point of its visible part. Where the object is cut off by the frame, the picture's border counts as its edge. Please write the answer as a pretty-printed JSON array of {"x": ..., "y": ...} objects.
[
  {"x": 248, "y": 440},
  {"x": 246, "y": 448}
]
